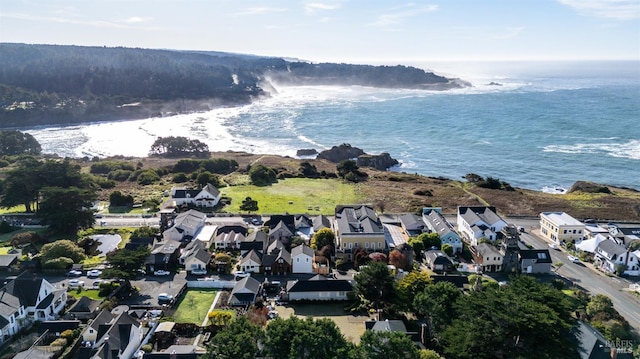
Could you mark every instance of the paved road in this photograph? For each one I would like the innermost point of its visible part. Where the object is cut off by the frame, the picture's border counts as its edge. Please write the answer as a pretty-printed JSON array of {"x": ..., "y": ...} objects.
[{"x": 586, "y": 276}]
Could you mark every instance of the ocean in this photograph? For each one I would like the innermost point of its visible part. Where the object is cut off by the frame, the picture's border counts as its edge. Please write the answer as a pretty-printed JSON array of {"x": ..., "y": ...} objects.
[{"x": 535, "y": 125}]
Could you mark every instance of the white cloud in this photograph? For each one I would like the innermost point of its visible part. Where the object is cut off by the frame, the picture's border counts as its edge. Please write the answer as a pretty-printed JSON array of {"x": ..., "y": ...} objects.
[
  {"x": 610, "y": 9},
  {"x": 397, "y": 17},
  {"x": 260, "y": 10},
  {"x": 122, "y": 24},
  {"x": 311, "y": 8}
]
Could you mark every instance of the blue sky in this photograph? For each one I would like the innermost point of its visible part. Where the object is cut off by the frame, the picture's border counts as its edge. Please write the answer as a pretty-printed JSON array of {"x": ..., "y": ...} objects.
[{"x": 355, "y": 31}]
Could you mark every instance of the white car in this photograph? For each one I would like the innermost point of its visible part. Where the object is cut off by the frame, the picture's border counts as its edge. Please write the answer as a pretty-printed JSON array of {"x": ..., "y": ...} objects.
[
  {"x": 554, "y": 246},
  {"x": 241, "y": 274},
  {"x": 574, "y": 259},
  {"x": 74, "y": 273},
  {"x": 164, "y": 297},
  {"x": 75, "y": 283},
  {"x": 94, "y": 273},
  {"x": 198, "y": 271},
  {"x": 161, "y": 272}
]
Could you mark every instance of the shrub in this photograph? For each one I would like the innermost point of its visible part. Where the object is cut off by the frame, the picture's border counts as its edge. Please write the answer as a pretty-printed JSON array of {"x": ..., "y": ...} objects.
[
  {"x": 119, "y": 175},
  {"x": 147, "y": 348},
  {"x": 180, "y": 177},
  {"x": 60, "y": 342},
  {"x": 148, "y": 177},
  {"x": 5, "y": 227},
  {"x": 186, "y": 166},
  {"x": 68, "y": 335},
  {"x": 24, "y": 238},
  {"x": 58, "y": 263}
]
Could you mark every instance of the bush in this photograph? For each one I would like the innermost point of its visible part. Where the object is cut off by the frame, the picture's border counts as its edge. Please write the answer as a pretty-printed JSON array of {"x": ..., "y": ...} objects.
[
  {"x": 147, "y": 348},
  {"x": 180, "y": 177},
  {"x": 148, "y": 177},
  {"x": 58, "y": 263},
  {"x": 186, "y": 166},
  {"x": 117, "y": 199},
  {"x": 68, "y": 334},
  {"x": 25, "y": 237},
  {"x": 5, "y": 227},
  {"x": 119, "y": 175},
  {"x": 60, "y": 342}
]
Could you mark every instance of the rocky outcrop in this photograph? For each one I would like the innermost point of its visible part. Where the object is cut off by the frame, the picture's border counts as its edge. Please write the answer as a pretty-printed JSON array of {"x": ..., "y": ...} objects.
[
  {"x": 340, "y": 153},
  {"x": 306, "y": 152},
  {"x": 588, "y": 187},
  {"x": 381, "y": 162}
]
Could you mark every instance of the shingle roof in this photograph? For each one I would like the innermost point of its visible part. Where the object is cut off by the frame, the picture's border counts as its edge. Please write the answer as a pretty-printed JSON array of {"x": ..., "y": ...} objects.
[
  {"x": 84, "y": 305},
  {"x": 7, "y": 260},
  {"x": 302, "y": 249},
  {"x": 358, "y": 219},
  {"x": 487, "y": 215},
  {"x": 437, "y": 223},
  {"x": 321, "y": 221},
  {"x": 562, "y": 219},
  {"x": 26, "y": 288},
  {"x": 540, "y": 255},
  {"x": 389, "y": 326},
  {"x": 319, "y": 284},
  {"x": 610, "y": 248}
]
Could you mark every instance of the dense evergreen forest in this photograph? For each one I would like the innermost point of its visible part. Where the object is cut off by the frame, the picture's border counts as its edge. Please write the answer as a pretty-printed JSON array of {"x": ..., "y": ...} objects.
[{"x": 51, "y": 84}]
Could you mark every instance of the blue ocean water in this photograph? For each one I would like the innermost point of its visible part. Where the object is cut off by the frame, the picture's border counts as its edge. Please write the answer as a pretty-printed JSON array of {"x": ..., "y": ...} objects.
[{"x": 542, "y": 126}]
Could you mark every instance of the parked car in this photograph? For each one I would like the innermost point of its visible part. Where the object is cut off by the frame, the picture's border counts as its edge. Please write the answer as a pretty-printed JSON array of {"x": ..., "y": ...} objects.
[
  {"x": 161, "y": 272},
  {"x": 96, "y": 283},
  {"x": 554, "y": 246},
  {"x": 75, "y": 283},
  {"x": 241, "y": 274},
  {"x": 198, "y": 271},
  {"x": 256, "y": 221},
  {"x": 74, "y": 273},
  {"x": 574, "y": 259},
  {"x": 94, "y": 273},
  {"x": 164, "y": 297}
]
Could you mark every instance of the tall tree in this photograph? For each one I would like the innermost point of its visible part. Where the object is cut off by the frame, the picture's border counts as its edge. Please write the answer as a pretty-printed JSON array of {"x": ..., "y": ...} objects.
[
  {"x": 249, "y": 205},
  {"x": 386, "y": 345},
  {"x": 239, "y": 340},
  {"x": 323, "y": 237},
  {"x": 14, "y": 142},
  {"x": 435, "y": 304},
  {"x": 125, "y": 262},
  {"x": 65, "y": 210},
  {"x": 375, "y": 284}
]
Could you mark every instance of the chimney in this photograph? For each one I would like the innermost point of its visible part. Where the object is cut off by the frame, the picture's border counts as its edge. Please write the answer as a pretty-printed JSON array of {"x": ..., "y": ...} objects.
[{"x": 106, "y": 347}]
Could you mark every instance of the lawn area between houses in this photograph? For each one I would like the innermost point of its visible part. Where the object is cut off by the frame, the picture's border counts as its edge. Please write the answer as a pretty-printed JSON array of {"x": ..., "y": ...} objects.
[
  {"x": 91, "y": 293},
  {"x": 351, "y": 326},
  {"x": 194, "y": 306},
  {"x": 294, "y": 195}
]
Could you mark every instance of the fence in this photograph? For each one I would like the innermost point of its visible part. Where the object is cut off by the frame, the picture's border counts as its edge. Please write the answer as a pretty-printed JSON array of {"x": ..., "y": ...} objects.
[{"x": 217, "y": 284}]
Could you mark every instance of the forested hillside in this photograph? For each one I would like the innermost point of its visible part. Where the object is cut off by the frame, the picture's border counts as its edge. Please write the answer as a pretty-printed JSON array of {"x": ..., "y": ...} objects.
[{"x": 50, "y": 84}]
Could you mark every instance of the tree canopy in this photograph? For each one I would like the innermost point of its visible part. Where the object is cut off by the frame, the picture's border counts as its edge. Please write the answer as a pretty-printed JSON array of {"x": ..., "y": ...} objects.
[
  {"x": 376, "y": 285},
  {"x": 13, "y": 142},
  {"x": 66, "y": 210},
  {"x": 125, "y": 262},
  {"x": 261, "y": 175},
  {"x": 176, "y": 146},
  {"x": 323, "y": 237},
  {"x": 249, "y": 205},
  {"x": 238, "y": 340},
  {"x": 61, "y": 248}
]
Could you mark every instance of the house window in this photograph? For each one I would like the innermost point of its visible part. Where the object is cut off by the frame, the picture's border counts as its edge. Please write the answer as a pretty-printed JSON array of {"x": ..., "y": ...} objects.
[
  {"x": 350, "y": 245},
  {"x": 366, "y": 244},
  {"x": 297, "y": 259},
  {"x": 379, "y": 244}
]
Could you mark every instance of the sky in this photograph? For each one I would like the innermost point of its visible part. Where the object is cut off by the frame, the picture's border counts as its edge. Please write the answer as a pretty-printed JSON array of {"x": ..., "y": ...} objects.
[{"x": 344, "y": 31}]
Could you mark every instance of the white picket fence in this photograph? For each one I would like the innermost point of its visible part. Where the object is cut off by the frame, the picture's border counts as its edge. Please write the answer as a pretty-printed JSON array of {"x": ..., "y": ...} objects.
[{"x": 211, "y": 283}]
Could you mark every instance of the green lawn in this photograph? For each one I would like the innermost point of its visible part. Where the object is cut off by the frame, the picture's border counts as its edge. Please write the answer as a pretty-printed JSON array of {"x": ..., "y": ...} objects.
[
  {"x": 294, "y": 195},
  {"x": 91, "y": 293},
  {"x": 194, "y": 306}
]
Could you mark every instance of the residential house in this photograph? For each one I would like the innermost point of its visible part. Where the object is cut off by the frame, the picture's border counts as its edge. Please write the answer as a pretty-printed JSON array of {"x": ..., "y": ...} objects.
[
  {"x": 195, "y": 257},
  {"x": 163, "y": 255},
  {"x": 535, "y": 261},
  {"x": 206, "y": 197},
  {"x": 394, "y": 236},
  {"x": 186, "y": 226},
  {"x": 593, "y": 345},
  {"x": 560, "y": 227},
  {"x": 40, "y": 299},
  {"x": 277, "y": 259},
  {"x": 245, "y": 292},
  {"x": 12, "y": 316},
  {"x": 609, "y": 255},
  {"x": 9, "y": 261},
  {"x": 111, "y": 336},
  {"x": 624, "y": 233},
  {"x": 84, "y": 308},
  {"x": 302, "y": 259},
  {"x": 590, "y": 245},
  {"x": 488, "y": 257},
  {"x": 251, "y": 262},
  {"x": 438, "y": 261},
  {"x": 304, "y": 226},
  {"x": 412, "y": 225},
  {"x": 436, "y": 223},
  {"x": 317, "y": 288},
  {"x": 357, "y": 226},
  {"x": 321, "y": 221},
  {"x": 281, "y": 230},
  {"x": 230, "y": 236},
  {"x": 256, "y": 240},
  {"x": 591, "y": 230},
  {"x": 479, "y": 222}
]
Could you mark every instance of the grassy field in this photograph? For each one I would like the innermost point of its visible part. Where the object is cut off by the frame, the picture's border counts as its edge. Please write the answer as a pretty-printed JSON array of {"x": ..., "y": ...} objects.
[
  {"x": 294, "y": 195},
  {"x": 194, "y": 306}
]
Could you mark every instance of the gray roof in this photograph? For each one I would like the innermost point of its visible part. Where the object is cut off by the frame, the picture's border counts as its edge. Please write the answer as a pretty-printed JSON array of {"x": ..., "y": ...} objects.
[
  {"x": 472, "y": 215},
  {"x": 7, "y": 260},
  {"x": 116, "y": 327},
  {"x": 84, "y": 305},
  {"x": 437, "y": 256},
  {"x": 247, "y": 283},
  {"x": 609, "y": 248},
  {"x": 593, "y": 345},
  {"x": 211, "y": 189},
  {"x": 190, "y": 219},
  {"x": 281, "y": 226},
  {"x": 389, "y": 326},
  {"x": 303, "y": 221},
  {"x": 302, "y": 249},
  {"x": 411, "y": 222},
  {"x": 26, "y": 288},
  {"x": 358, "y": 219},
  {"x": 321, "y": 221},
  {"x": 486, "y": 249},
  {"x": 437, "y": 223},
  {"x": 252, "y": 255},
  {"x": 540, "y": 255}
]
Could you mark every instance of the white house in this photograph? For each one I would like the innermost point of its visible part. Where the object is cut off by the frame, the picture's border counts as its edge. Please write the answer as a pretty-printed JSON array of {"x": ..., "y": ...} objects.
[
  {"x": 302, "y": 259},
  {"x": 609, "y": 254},
  {"x": 479, "y": 222},
  {"x": 318, "y": 288},
  {"x": 208, "y": 196},
  {"x": 230, "y": 236},
  {"x": 251, "y": 262},
  {"x": 195, "y": 257},
  {"x": 560, "y": 227},
  {"x": 27, "y": 299},
  {"x": 185, "y": 226},
  {"x": 488, "y": 257}
]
